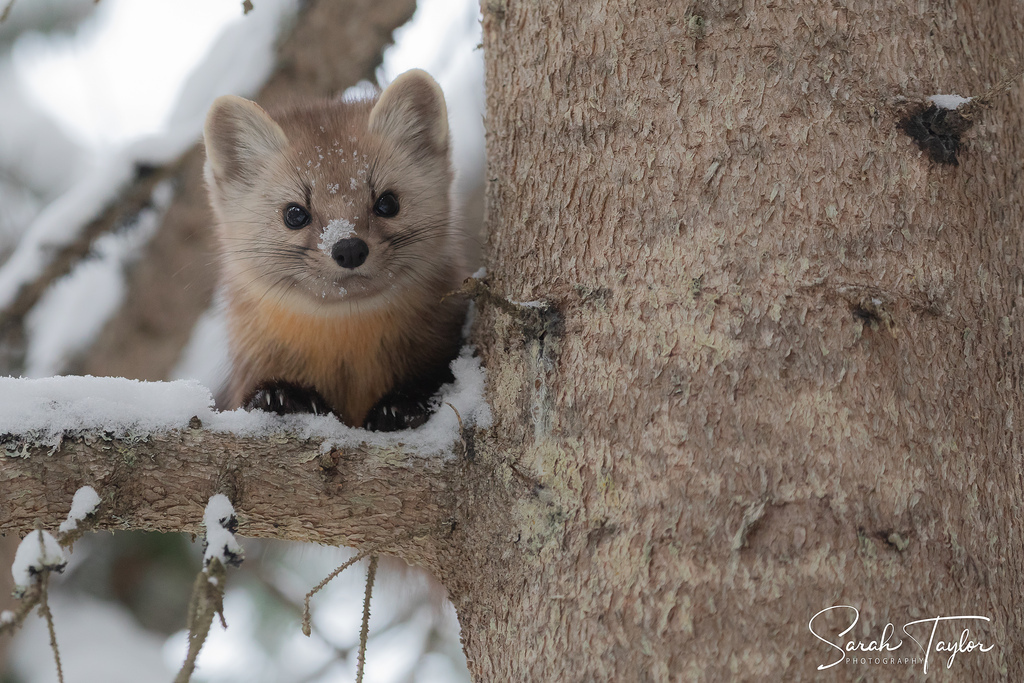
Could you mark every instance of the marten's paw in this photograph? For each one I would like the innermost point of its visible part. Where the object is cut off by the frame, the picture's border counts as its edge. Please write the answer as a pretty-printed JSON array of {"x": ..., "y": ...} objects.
[
  {"x": 286, "y": 397},
  {"x": 409, "y": 405},
  {"x": 398, "y": 411}
]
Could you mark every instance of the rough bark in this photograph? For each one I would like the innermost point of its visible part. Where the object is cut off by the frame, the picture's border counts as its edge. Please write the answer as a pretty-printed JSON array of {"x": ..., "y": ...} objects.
[
  {"x": 789, "y": 362},
  {"x": 282, "y": 487}
]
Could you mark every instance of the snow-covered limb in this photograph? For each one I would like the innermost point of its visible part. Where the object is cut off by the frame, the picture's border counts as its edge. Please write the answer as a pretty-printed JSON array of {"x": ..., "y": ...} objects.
[
  {"x": 65, "y": 232},
  {"x": 50, "y": 409},
  {"x": 284, "y": 483}
]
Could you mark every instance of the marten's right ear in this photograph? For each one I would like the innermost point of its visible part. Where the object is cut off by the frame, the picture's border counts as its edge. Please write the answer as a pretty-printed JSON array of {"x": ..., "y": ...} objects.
[
  {"x": 412, "y": 109},
  {"x": 239, "y": 138}
]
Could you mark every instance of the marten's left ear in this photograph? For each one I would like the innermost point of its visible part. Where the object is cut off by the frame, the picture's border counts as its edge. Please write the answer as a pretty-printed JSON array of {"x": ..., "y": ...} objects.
[{"x": 412, "y": 109}]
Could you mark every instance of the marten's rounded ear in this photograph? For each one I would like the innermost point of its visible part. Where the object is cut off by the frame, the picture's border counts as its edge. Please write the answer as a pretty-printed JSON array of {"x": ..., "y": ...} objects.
[
  {"x": 239, "y": 138},
  {"x": 412, "y": 109}
]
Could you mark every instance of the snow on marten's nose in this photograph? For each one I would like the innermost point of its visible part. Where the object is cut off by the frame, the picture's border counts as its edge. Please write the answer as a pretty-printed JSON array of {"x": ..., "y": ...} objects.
[{"x": 350, "y": 253}]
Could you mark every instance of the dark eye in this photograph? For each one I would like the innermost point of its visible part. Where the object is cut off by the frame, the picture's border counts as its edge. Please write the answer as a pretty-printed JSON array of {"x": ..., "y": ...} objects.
[
  {"x": 386, "y": 205},
  {"x": 295, "y": 216}
]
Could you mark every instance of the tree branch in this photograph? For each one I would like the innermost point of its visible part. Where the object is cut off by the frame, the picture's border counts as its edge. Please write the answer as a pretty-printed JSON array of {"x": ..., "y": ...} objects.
[{"x": 282, "y": 487}]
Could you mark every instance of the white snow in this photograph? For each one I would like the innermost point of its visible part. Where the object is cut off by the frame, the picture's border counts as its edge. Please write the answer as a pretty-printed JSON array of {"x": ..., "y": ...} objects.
[
  {"x": 33, "y": 556},
  {"x": 59, "y": 224},
  {"x": 7, "y": 617},
  {"x": 47, "y": 409},
  {"x": 46, "y": 160},
  {"x": 74, "y": 310},
  {"x": 442, "y": 39},
  {"x": 249, "y": 42},
  {"x": 82, "y": 505},
  {"x": 118, "y": 76},
  {"x": 360, "y": 92},
  {"x": 948, "y": 101},
  {"x": 220, "y": 542},
  {"x": 338, "y": 229},
  {"x": 529, "y": 304},
  {"x": 480, "y": 273},
  {"x": 206, "y": 357}
]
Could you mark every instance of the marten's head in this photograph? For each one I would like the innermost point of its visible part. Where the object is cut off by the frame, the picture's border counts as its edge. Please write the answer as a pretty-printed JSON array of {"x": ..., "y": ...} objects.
[{"x": 335, "y": 205}]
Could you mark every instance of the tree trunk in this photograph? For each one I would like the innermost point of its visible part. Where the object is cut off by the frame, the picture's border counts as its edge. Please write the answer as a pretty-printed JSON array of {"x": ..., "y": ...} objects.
[{"x": 785, "y": 367}]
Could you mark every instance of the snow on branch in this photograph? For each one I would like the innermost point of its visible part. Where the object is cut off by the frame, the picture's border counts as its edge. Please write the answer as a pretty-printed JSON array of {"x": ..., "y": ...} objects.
[
  {"x": 67, "y": 229},
  {"x": 46, "y": 411},
  {"x": 83, "y": 505},
  {"x": 159, "y": 451}
]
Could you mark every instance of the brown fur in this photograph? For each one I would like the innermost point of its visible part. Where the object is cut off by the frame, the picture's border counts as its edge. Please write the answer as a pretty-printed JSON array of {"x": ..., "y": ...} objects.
[{"x": 294, "y": 315}]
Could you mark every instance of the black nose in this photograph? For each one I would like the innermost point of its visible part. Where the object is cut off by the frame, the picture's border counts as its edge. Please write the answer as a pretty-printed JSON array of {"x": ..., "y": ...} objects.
[{"x": 350, "y": 253}]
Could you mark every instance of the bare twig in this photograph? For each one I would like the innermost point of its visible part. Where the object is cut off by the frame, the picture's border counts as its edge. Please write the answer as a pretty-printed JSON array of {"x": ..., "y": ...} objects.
[
  {"x": 306, "y": 627},
  {"x": 29, "y": 600},
  {"x": 369, "y": 551},
  {"x": 364, "y": 629},
  {"x": 462, "y": 430},
  {"x": 44, "y": 611},
  {"x": 981, "y": 102},
  {"x": 207, "y": 601}
]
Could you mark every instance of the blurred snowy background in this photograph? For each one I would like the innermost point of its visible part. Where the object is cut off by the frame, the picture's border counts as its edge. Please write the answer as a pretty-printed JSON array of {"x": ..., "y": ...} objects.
[{"x": 92, "y": 96}]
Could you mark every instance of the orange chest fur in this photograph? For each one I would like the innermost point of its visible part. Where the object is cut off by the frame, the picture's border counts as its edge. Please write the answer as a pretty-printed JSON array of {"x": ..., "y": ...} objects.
[{"x": 345, "y": 357}]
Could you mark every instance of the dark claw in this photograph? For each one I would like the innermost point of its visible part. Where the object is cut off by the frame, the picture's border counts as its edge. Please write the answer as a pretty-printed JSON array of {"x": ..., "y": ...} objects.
[
  {"x": 392, "y": 413},
  {"x": 286, "y": 397},
  {"x": 409, "y": 405}
]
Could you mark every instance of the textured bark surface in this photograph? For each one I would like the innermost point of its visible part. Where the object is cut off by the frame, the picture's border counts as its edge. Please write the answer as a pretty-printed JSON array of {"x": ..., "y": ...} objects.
[
  {"x": 282, "y": 487},
  {"x": 788, "y": 366},
  {"x": 331, "y": 47}
]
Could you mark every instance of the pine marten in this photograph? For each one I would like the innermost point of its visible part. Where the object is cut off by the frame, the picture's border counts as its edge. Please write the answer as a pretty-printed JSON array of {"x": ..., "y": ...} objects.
[{"x": 337, "y": 251}]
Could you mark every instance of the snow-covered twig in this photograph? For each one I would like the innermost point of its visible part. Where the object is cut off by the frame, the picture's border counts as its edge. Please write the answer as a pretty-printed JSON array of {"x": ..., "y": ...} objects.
[
  {"x": 222, "y": 549},
  {"x": 39, "y": 554},
  {"x": 221, "y": 525}
]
